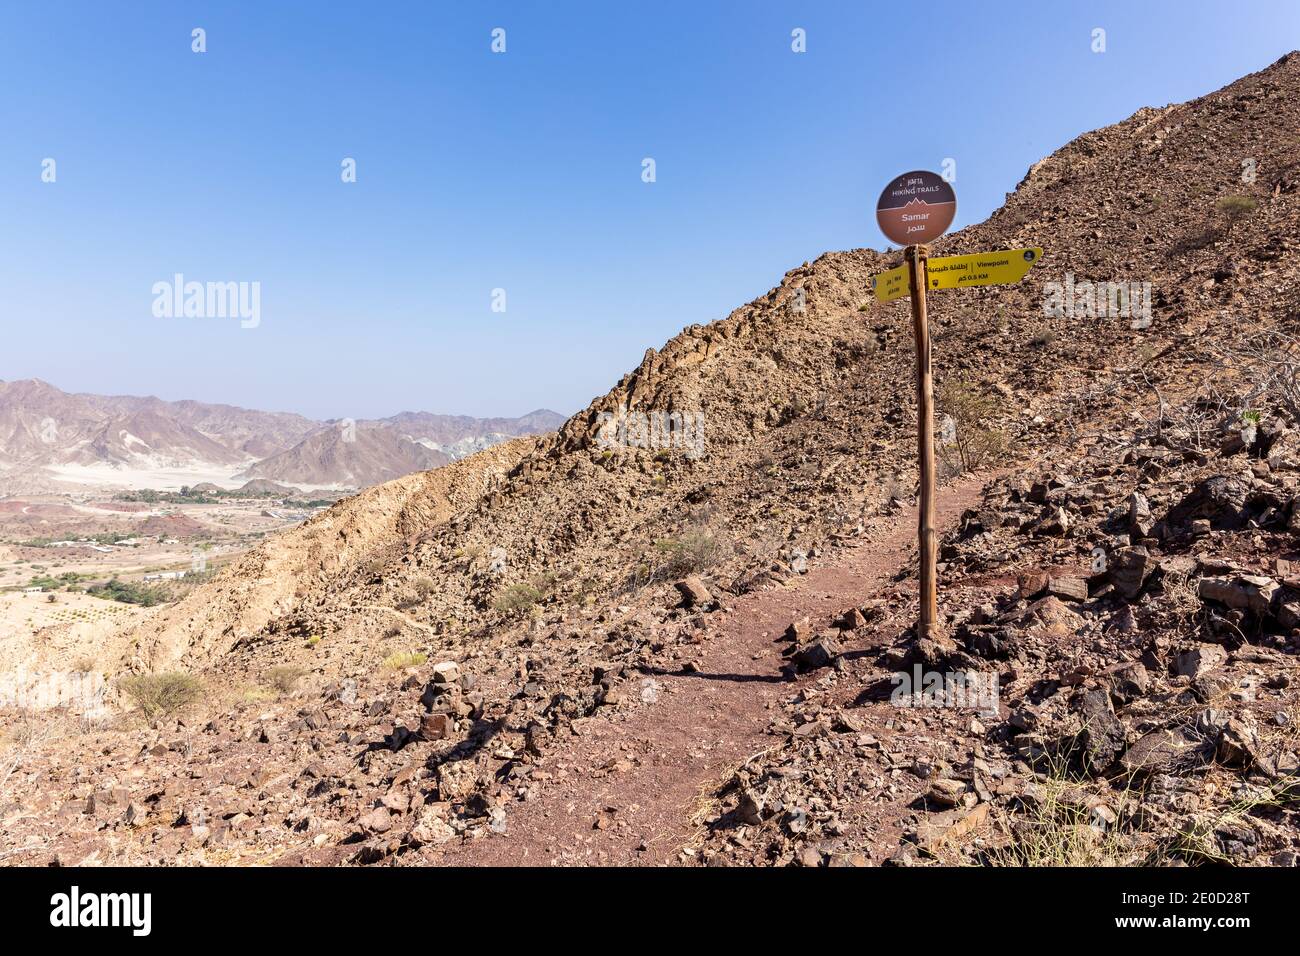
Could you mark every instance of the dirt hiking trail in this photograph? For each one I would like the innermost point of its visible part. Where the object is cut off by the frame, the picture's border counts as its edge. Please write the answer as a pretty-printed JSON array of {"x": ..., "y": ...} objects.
[{"x": 628, "y": 792}]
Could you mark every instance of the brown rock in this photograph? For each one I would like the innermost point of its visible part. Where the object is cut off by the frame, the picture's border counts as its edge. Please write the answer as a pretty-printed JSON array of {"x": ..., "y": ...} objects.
[
  {"x": 809, "y": 856},
  {"x": 435, "y": 726},
  {"x": 946, "y": 793},
  {"x": 1199, "y": 661},
  {"x": 693, "y": 591},
  {"x": 378, "y": 820},
  {"x": 852, "y": 619},
  {"x": 1073, "y": 589},
  {"x": 1103, "y": 735},
  {"x": 1247, "y": 592},
  {"x": 1165, "y": 751},
  {"x": 943, "y": 828},
  {"x": 446, "y": 672},
  {"x": 1238, "y": 743},
  {"x": 1129, "y": 568},
  {"x": 799, "y": 631},
  {"x": 1129, "y": 682},
  {"x": 1054, "y": 617},
  {"x": 1033, "y": 584},
  {"x": 820, "y": 653},
  {"x": 1140, "y": 520},
  {"x": 750, "y": 808}
]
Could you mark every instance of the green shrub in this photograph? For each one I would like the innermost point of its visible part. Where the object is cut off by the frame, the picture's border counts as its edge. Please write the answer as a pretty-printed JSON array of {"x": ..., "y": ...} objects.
[
  {"x": 693, "y": 552},
  {"x": 517, "y": 598},
  {"x": 128, "y": 593},
  {"x": 1233, "y": 209}
]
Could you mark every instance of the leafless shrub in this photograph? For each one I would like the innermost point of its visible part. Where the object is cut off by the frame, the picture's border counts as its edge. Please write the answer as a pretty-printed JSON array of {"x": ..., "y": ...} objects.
[
  {"x": 518, "y": 598},
  {"x": 1268, "y": 363},
  {"x": 19, "y": 743}
]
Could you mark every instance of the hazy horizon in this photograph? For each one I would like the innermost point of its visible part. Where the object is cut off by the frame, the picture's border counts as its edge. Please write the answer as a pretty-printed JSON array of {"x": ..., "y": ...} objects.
[{"x": 288, "y": 411}]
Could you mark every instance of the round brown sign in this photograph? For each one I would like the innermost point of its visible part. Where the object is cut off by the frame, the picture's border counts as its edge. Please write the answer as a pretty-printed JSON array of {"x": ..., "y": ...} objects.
[{"x": 916, "y": 207}]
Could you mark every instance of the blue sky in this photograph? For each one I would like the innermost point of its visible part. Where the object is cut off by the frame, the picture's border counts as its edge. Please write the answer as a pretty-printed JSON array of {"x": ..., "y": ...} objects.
[{"x": 519, "y": 171}]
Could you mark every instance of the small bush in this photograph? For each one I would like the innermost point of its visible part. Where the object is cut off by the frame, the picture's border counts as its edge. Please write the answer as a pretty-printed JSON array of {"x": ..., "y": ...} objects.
[
  {"x": 403, "y": 660},
  {"x": 162, "y": 694},
  {"x": 283, "y": 677},
  {"x": 421, "y": 588},
  {"x": 975, "y": 442},
  {"x": 517, "y": 598},
  {"x": 895, "y": 488},
  {"x": 1233, "y": 209},
  {"x": 693, "y": 552}
]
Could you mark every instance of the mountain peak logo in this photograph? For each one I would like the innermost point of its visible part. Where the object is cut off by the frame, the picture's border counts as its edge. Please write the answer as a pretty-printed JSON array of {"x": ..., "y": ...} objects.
[{"x": 916, "y": 208}]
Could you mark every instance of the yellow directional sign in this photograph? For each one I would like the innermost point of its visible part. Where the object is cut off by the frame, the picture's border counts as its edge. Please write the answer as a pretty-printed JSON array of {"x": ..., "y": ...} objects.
[
  {"x": 1003, "y": 267},
  {"x": 981, "y": 268},
  {"x": 892, "y": 284}
]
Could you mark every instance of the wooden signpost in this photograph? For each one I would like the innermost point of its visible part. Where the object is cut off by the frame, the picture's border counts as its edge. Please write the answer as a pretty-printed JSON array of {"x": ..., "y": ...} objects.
[{"x": 914, "y": 209}]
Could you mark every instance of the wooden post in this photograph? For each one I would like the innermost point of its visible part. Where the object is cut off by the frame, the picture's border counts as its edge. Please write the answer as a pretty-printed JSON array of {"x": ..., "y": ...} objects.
[{"x": 928, "y": 538}]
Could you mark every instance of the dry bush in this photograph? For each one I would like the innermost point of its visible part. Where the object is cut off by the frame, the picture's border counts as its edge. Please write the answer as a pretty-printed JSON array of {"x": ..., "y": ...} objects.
[
  {"x": 162, "y": 694},
  {"x": 691, "y": 553},
  {"x": 421, "y": 588},
  {"x": 1061, "y": 831},
  {"x": 402, "y": 660},
  {"x": 1269, "y": 363},
  {"x": 976, "y": 441},
  {"x": 284, "y": 678}
]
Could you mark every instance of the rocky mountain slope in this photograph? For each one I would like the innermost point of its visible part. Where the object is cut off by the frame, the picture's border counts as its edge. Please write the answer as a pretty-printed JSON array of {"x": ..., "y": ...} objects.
[
  {"x": 353, "y": 456},
  {"x": 456, "y": 664}
]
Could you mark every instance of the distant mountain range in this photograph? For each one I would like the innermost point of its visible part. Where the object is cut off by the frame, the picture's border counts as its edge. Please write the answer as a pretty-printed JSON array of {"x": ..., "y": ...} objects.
[{"x": 48, "y": 433}]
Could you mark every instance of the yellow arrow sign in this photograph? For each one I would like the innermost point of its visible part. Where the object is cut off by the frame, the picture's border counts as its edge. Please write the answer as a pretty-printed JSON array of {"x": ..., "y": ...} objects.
[
  {"x": 981, "y": 268},
  {"x": 950, "y": 272},
  {"x": 892, "y": 284}
]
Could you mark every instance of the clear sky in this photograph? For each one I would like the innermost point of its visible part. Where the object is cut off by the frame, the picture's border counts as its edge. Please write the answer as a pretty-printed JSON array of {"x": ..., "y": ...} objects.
[{"x": 519, "y": 171}]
